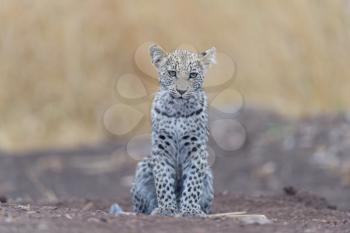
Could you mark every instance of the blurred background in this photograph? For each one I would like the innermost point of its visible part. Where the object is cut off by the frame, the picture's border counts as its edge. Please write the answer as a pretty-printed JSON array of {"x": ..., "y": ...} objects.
[
  {"x": 59, "y": 59},
  {"x": 59, "y": 62}
]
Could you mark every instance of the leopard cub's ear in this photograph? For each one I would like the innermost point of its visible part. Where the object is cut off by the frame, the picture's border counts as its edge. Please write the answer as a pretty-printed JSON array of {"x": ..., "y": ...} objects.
[
  {"x": 158, "y": 55},
  {"x": 208, "y": 57}
]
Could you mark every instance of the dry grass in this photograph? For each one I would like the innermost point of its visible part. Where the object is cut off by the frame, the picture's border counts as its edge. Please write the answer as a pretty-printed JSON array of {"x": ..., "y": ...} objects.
[{"x": 59, "y": 59}]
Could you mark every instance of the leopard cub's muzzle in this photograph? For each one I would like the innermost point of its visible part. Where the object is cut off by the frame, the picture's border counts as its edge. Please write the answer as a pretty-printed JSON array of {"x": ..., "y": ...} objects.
[{"x": 182, "y": 85}]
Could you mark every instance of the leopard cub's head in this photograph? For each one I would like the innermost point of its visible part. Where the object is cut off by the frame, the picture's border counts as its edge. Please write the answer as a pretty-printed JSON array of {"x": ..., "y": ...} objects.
[{"x": 181, "y": 72}]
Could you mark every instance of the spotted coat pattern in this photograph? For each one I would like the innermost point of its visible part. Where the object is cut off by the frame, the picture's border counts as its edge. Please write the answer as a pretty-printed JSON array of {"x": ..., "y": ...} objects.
[{"x": 176, "y": 178}]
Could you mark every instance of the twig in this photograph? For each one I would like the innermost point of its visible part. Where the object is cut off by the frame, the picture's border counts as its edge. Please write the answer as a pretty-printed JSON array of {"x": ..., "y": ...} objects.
[
  {"x": 245, "y": 218},
  {"x": 226, "y": 214}
]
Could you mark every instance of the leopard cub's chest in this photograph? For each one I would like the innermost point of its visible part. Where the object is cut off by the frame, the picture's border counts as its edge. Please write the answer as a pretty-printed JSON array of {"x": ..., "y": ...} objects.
[
  {"x": 179, "y": 118},
  {"x": 182, "y": 126}
]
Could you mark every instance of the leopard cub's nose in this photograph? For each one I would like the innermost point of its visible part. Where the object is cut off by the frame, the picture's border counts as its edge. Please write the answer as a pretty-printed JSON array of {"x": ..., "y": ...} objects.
[{"x": 181, "y": 92}]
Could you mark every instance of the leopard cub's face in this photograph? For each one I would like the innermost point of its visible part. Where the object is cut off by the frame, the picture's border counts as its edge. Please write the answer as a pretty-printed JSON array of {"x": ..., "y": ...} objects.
[{"x": 181, "y": 72}]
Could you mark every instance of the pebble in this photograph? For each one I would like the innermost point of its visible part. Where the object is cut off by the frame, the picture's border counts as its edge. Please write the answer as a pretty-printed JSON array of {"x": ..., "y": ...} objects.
[
  {"x": 3, "y": 199},
  {"x": 255, "y": 219},
  {"x": 115, "y": 209}
]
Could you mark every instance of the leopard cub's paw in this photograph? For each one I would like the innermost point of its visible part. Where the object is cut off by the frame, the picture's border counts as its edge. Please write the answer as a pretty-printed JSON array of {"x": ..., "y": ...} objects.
[
  {"x": 161, "y": 211},
  {"x": 193, "y": 212}
]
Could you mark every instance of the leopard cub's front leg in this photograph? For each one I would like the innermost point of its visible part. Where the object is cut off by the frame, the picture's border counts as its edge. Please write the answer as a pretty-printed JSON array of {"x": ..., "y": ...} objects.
[
  {"x": 164, "y": 178},
  {"x": 193, "y": 181}
]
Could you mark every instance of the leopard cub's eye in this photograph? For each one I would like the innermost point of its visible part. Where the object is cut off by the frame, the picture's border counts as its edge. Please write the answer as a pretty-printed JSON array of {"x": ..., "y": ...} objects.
[
  {"x": 193, "y": 75},
  {"x": 172, "y": 73}
]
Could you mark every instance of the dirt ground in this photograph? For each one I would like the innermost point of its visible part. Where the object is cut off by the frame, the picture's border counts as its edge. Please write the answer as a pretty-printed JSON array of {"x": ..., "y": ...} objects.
[
  {"x": 295, "y": 172},
  {"x": 289, "y": 213}
]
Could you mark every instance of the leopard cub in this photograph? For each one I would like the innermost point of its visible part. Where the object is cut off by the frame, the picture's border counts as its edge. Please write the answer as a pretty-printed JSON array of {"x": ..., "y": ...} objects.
[{"x": 176, "y": 178}]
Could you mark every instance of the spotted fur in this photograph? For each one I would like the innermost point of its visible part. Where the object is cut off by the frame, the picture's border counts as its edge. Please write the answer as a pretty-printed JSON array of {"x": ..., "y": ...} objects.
[{"x": 176, "y": 178}]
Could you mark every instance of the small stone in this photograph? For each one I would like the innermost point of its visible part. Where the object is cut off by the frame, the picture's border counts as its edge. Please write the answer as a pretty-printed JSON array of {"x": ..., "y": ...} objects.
[
  {"x": 3, "y": 199},
  {"x": 254, "y": 219},
  {"x": 31, "y": 212},
  {"x": 87, "y": 206},
  {"x": 115, "y": 209},
  {"x": 103, "y": 220},
  {"x": 93, "y": 220},
  {"x": 290, "y": 191},
  {"x": 24, "y": 207}
]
